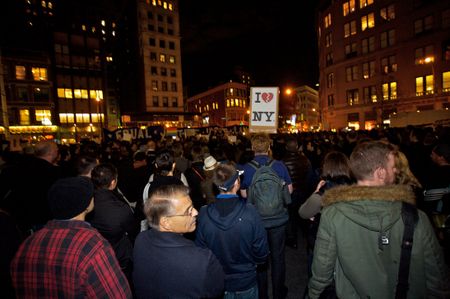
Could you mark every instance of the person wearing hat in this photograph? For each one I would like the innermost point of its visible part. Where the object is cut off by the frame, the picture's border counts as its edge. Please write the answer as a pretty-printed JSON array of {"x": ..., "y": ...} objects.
[
  {"x": 67, "y": 257},
  {"x": 233, "y": 230},
  {"x": 209, "y": 190}
]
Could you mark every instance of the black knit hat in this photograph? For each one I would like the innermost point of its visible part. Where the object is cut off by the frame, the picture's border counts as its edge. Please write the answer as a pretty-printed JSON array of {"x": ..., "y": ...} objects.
[{"x": 69, "y": 197}]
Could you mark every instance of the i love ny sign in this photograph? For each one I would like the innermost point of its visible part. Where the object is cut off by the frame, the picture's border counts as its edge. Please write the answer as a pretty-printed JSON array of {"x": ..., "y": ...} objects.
[{"x": 264, "y": 109}]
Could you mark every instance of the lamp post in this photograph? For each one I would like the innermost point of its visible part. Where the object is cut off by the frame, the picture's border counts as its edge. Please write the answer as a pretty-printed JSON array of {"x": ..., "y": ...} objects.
[
  {"x": 99, "y": 116},
  {"x": 430, "y": 60}
]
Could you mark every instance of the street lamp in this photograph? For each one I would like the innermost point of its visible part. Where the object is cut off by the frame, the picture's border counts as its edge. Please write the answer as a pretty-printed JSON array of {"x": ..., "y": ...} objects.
[
  {"x": 430, "y": 60},
  {"x": 288, "y": 91},
  {"x": 99, "y": 116}
]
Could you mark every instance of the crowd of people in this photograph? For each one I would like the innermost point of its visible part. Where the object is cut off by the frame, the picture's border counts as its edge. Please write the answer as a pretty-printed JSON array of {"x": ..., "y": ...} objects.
[{"x": 208, "y": 218}]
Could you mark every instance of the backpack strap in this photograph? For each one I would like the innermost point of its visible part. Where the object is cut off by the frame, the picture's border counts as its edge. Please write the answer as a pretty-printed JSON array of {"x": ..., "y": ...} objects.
[
  {"x": 410, "y": 218},
  {"x": 146, "y": 189},
  {"x": 198, "y": 174},
  {"x": 254, "y": 164},
  {"x": 270, "y": 162}
]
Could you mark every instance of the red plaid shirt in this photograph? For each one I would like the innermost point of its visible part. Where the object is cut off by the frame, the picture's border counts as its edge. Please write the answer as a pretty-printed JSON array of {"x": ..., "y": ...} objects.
[{"x": 68, "y": 259}]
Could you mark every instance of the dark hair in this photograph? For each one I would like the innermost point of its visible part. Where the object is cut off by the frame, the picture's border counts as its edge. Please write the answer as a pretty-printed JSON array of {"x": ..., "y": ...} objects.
[
  {"x": 102, "y": 175},
  {"x": 443, "y": 150},
  {"x": 367, "y": 157},
  {"x": 85, "y": 164},
  {"x": 335, "y": 164},
  {"x": 223, "y": 173},
  {"x": 160, "y": 202},
  {"x": 164, "y": 162}
]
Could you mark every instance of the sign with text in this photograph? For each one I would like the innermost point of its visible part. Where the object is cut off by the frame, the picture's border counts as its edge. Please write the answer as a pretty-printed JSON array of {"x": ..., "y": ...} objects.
[{"x": 263, "y": 109}]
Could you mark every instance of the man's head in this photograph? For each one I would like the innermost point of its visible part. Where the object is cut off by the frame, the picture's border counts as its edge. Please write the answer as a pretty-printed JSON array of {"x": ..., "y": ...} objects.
[
  {"x": 170, "y": 209},
  {"x": 70, "y": 197},
  {"x": 441, "y": 154},
  {"x": 226, "y": 178},
  {"x": 85, "y": 164},
  {"x": 260, "y": 143},
  {"x": 372, "y": 163},
  {"x": 291, "y": 144},
  {"x": 164, "y": 162},
  {"x": 46, "y": 150},
  {"x": 104, "y": 176}
]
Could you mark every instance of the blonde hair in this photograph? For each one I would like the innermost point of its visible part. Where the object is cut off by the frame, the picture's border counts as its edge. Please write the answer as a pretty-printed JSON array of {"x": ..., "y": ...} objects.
[
  {"x": 260, "y": 143},
  {"x": 403, "y": 175}
]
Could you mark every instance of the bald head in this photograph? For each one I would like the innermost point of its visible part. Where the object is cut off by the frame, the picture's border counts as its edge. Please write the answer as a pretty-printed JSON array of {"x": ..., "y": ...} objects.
[{"x": 46, "y": 150}]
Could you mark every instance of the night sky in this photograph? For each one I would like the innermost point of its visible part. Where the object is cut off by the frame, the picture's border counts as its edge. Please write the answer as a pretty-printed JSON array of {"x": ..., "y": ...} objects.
[{"x": 273, "y": 40}]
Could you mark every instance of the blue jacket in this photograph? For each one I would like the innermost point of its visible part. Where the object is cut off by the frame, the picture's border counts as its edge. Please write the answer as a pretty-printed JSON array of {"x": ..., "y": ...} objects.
[
  {"x": 167, "y": 265},
  {"x": 234, "y": 232}
]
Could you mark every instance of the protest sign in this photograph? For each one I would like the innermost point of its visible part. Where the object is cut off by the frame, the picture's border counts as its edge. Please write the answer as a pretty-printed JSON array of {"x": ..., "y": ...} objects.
[{"x": 263, "y": 109}]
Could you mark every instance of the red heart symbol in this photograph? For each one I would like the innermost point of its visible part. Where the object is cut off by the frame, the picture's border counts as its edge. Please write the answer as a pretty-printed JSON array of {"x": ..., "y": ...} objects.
[{"x": 267, "y": 96}]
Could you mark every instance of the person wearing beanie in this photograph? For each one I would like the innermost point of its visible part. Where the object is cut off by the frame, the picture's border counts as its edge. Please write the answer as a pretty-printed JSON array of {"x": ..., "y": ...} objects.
[
  {"x": 67, "y": 257},
  {"x": 233, "y": 230}
]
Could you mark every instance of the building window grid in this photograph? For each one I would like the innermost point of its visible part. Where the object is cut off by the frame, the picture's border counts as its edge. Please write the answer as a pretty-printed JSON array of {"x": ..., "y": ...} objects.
[
  {"x": 352, "y": 73},
  {"x": 388, "y": 64},
  {"x": 329, "y": 59},
  {"x": 327, "y": 20},
  {"x": 387, "y": 38},
  {"x": 348, "y": 7},
  {"x": 364, "y": 3},
  {"x": 39, "y": 73},
  {"x": 370, "y": 94},
  {"x": 330, "y": 100},
  {"x": 423, "y": 25},
  {"x": 20, "y": 72},
  {"x": 388, "y": 13},
  {"x": 330, "y": 80},
  {"x": 368, "y": 69},
  {"x": 368, "y": 45},
  {"x": 420, "y": 54},
  {"x": 328, "y": 40},
  {"x": 352, "y": 97},
  {"x": 446, "y": 81},
  {"x": 424, "y": 85},
  {"x": 350, "y": 28},
  {"x": 351, "y": 50}
]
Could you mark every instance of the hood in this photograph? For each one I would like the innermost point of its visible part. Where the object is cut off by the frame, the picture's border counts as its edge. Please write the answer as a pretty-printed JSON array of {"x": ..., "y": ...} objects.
[
  {"x": 222, "y": 221},
  {"x": 375, "y": 208}
]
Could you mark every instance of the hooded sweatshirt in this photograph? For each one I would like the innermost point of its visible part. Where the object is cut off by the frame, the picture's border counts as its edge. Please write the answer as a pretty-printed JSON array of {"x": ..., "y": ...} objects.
[
  {"x": 359, "y": 241},
  {"x": 234, "y": 232}
]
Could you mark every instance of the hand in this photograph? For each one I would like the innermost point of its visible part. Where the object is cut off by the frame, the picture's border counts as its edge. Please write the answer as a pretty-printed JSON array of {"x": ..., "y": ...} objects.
[{"x": 320, "y": 185}]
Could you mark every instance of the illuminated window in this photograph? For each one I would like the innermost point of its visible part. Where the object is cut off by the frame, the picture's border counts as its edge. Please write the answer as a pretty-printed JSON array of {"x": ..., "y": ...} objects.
[
  {"x": 446, "y": 81},
  {"x": 172, "y": 59},
  {"x": 389, "y": 91},
  {"x": 244, "y": 104},
  {"x": 83, "y": 27},
  {"x": 39, "y": 73},
  {"x": 159, "y": 3},
  {"x": 349, "y": 28},
  {"x": 327, "y": 20},
  {"x": 207, "y": 107},
  {"x": 388, "y": 13},
  {"x": 228, "y": 103},
  {"x": 423, "y": 25},
  {"x": 387, "y": 38},
  {"x": 97, "y": 117},
  {"x": 170, "y": 6},
  {"x": 424, "y": 85},
  {"x": 84, "y": 94},
  {"x": 352, "y": 97},
  {"x": 369, "y": 69},
  {"x": 24, "y": 117},
  {"x": 103, "y": 23},
  {"x": 348, "y": 7},
  {"x": 162, "y": 57},
  {"x": 61, "y": 93},
  {"x": 82, "y": 117},
  {"x": 43, "y": 116},
  {"x": 43, "y": 4},
  {"x": 364, "y": 3},
  {"x": 20, "y": 72},
  {"x": 77, "y": 93},
  {"x": 68, "y": 93},
  {"x": 420, "y": 54},
  {"x": 49, "y": 5},
  {"x": 368, "y": 45},
  {"x": 370, "y": 94},
  {"x": 65, "y": 118},
  {"x": 352, "y": 73},
  {"x": 367, "y": 21},
  {"x": 154, "y": 2},
  {"x": 388, "y": 64},
  {"x": 96, "y": 94},
  {"x": 330, "y": 80},
  {"x": 165, "y": 5},
  {"x": 236, "y": 102}
]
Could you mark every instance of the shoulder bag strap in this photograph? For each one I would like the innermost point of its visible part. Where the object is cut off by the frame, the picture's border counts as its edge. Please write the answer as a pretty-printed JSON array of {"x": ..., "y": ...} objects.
[{"x": 410, "y": 218}]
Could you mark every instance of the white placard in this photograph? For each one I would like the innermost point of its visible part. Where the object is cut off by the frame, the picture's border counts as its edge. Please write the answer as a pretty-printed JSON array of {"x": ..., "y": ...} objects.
[{"x": 264, "y": 109}]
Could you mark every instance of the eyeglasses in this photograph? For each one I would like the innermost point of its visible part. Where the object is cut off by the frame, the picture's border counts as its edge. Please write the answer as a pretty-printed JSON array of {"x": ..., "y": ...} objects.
[{"x": 189, "y": 212}]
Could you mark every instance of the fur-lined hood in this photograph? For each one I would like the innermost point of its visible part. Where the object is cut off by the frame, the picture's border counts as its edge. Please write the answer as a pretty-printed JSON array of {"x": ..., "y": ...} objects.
[
  {"x": 350, "y": 193},
  {"x": 375, "y": 208}
]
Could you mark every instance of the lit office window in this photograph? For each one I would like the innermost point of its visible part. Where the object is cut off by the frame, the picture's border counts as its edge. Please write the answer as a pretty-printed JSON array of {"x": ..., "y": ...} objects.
[
  {"x": 84, "y": 94},
  {"x": 369, "y": 69},
  {"x": 61, "y": 93},
  {"x": 348, "y": 7},
  {"x": 24, "y": 117},
  {"x": 172, "y": 59},
  {"x": 389, "y": 91},
  {"x": 446, "y": 81},
  {"x": 162, "y": 57},
  {"x": 367, "y": 21},
  {"x": 39, "y": 73},
  {"x": 20, "y": 72},
  {"x": 388, "y": 64},
  {"x": 364, "y": 3},
  {"x": 43, "y": 115},
  {"x": 352, "y": 97},
  {"x": 77, "y": 93},
  {"x": 68, "y": 93},
  {"x": 170, "y": 6},
  {"x": 420, "y": 54},
  {"x": 388, "y": 13},
  {"x": 424, "y": 85},
  {"x": 349, "y": 28},
  {"x": 327, "y": 20}
]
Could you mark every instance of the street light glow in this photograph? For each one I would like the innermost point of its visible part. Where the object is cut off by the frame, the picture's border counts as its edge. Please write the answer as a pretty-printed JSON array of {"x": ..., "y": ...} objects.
[{"x": 288, "y": 91}]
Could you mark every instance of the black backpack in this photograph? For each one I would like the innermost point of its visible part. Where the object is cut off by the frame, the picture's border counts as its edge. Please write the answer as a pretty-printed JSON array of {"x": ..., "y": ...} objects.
[{"x": 268, "y": 192}]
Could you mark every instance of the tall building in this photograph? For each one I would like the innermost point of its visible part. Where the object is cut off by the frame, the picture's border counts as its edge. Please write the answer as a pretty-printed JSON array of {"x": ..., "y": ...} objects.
[
  {"x": 224, "y": 105},
  {"x": 161, "y": 97},
  {"x": 379, "y": 58}
]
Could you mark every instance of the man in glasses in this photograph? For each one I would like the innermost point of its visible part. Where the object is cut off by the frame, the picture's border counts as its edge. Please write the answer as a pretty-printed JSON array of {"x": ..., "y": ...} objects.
[
  {"x": 167, "y": 265},
  {"x": 234, "y": 231}
]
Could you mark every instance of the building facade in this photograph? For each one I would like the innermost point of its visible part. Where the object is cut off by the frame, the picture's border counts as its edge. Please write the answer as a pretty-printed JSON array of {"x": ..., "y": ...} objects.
[
  {"x": 224, "y": 105},
  {"x": 378, "y": 58},
  {"x": 161, "y": 97}
]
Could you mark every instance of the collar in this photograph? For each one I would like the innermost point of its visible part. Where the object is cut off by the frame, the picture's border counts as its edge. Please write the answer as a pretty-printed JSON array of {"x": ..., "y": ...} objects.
[
  {"x": 226, "y": 196},
  {"x": 53, "y": 224}
]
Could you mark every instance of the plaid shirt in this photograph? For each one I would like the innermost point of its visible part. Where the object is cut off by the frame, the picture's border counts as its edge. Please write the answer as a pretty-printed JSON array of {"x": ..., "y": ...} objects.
[{"x": 67, "y": 259}]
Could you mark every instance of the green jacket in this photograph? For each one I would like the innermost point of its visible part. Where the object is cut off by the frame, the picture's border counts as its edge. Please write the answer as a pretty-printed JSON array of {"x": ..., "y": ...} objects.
[{"x": 347, "y": 248}]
